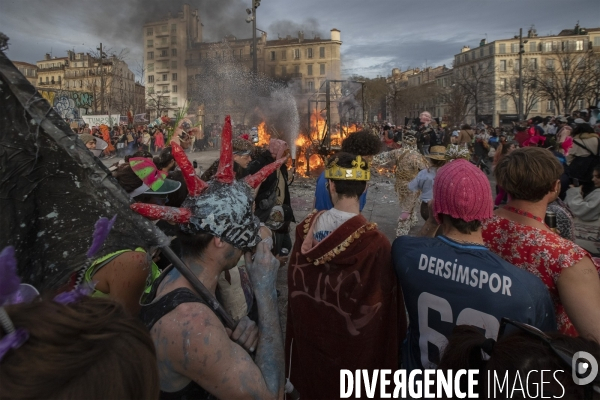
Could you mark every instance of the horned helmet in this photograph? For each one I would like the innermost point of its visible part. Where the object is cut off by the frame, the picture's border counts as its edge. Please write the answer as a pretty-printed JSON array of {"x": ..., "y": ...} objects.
[{"x": 223, "y": 206}]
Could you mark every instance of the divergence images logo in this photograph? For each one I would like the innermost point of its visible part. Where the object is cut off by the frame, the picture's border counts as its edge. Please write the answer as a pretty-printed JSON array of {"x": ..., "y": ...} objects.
[{"x": 582, "y": 364}]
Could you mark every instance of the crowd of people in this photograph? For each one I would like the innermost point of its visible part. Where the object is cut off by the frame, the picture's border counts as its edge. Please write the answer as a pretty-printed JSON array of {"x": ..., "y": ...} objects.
[{"x": 522, "y": 261}]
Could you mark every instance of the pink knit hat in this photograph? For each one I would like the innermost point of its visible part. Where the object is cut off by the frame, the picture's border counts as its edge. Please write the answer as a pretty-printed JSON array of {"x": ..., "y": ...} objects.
[{"x": 462, "y": 191}]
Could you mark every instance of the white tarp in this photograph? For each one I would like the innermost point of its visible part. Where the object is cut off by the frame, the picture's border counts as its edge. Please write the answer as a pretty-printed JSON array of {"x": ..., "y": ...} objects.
[{"x": 97, "y": 120}]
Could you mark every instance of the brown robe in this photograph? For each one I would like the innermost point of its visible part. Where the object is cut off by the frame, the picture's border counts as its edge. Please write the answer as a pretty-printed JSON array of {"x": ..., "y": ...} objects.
[{"x": 343, "y": 312}]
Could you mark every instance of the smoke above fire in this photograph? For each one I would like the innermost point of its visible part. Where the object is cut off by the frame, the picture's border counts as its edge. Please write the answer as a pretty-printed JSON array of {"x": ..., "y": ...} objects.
[
  {"x": 283, "y": 28},
  {"x": 119, "y": 23}
]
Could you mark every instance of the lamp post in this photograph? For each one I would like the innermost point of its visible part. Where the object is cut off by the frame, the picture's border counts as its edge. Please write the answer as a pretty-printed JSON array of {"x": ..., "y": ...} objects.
[
  {"x": 252, "y": 18},
  {"x": 521, "y": 51}
]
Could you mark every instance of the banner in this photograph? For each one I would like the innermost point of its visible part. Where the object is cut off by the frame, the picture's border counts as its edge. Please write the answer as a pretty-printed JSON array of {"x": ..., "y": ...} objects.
[
  {"x": 139, "y": 118},
  {"x": 97, "y": 120}
]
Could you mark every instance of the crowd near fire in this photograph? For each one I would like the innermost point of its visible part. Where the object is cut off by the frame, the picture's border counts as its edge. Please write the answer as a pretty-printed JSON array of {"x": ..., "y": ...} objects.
[{"x": 252, "y": 232}]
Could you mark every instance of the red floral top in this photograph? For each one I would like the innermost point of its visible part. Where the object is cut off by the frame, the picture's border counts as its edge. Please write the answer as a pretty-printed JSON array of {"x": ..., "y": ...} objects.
[{"x": 540, "y": 252}]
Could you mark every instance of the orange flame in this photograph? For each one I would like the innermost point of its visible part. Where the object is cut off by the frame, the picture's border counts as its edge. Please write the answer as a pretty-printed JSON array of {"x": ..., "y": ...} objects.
[{"x": 263, "y": 136}]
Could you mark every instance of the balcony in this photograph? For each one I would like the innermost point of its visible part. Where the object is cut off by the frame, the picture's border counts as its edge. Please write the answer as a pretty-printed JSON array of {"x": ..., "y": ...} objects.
[
  {"x": 162, "y": 45},
  {"x": 60, "y": 68},
  {"x": 162, "y": 34}
]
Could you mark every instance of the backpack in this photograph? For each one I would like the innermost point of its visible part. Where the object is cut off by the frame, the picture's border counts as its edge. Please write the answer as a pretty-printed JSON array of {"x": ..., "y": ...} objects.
[{"x": 581, "y": 168}]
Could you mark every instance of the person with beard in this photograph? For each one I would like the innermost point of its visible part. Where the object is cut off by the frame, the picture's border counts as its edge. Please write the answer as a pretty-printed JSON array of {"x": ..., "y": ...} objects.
[
  {"x": 274, "y": 192},
  {"x": 197, "y": 356}
]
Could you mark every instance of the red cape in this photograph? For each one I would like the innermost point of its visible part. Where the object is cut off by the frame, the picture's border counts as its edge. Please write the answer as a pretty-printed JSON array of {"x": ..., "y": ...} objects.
[{"x": 343, "y": 312}]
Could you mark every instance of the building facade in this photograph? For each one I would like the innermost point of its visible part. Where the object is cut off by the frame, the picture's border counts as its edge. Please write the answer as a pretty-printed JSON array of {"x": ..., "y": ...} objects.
[
  {"x": 176, "y": 56},
  {"x": 546, "y": 61},
  {"x": 81, "y": 84},
  {"x": 29, "y": 71}
]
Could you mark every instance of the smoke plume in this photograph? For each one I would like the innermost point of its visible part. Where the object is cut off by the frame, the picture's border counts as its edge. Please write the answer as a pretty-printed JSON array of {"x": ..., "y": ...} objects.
[{"x": 283, "y": 28}]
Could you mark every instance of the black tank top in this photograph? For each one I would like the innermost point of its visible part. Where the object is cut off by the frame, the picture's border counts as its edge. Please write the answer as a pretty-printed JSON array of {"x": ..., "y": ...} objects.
[{"x": 152, "y": 312}]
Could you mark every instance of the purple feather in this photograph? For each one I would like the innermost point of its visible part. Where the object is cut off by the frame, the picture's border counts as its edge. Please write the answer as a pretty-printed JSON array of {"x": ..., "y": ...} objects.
[
  {"x": 101, "y": 231},
  {"x": 9, "y": 280},
  {"x": 75, "y": 294}
]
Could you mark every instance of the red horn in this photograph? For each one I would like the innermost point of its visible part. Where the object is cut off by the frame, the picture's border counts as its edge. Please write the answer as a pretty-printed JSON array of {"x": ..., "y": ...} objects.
[
  {"x": 170, "y": 214},
  {"x": 194, "y": 184},
  {"x": 257, "y": 178},
  {"x": 225, "y": 172}
]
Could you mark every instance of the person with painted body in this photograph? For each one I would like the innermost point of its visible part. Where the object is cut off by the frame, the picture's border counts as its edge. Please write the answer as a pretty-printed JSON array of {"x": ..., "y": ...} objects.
[
  {"x": 408, "y": 162},
  {"x": 197, "y": 356}
]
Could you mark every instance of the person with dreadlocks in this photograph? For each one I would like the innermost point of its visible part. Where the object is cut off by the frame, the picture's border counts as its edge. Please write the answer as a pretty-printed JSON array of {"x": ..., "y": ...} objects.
[
  {"x": 344, "y": 309},
  {"x": 197, "y": 357},
  {"x": 408, "y": 162}
]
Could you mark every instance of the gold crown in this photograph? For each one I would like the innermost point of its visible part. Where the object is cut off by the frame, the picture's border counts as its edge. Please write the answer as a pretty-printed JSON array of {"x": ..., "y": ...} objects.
[{"x": 359, "y": 172}]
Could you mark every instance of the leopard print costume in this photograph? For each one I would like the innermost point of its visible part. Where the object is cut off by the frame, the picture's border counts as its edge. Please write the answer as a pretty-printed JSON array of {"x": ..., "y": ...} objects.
[{"x": 408, "y": 162}]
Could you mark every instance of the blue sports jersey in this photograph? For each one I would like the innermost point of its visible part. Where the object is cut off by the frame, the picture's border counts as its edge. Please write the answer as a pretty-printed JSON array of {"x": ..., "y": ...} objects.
[
  {"x": 322, "y": 200},
  {"x": 446, "y": 283}
]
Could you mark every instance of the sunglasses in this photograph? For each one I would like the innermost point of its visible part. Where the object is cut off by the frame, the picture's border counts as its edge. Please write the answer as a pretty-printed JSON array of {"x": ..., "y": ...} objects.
[{"x": 566, "y": 356}]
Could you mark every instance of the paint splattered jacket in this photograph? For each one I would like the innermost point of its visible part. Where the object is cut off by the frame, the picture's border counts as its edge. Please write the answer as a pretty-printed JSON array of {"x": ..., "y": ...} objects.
[{"x": 343, "y": 306}]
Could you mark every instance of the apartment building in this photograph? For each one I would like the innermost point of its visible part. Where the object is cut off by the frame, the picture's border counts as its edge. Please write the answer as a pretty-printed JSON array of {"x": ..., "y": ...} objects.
[
  {"x": 498, "y": 64},
  {"x": 176, "y": 53},
  {"x": 29, "y": 71},
  {"x": 51, "y": 72}
]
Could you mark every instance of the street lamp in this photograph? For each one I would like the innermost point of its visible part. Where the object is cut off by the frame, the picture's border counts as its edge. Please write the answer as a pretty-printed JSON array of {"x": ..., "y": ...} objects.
[
  {"x": 521, "y": 51},
  {"x": 252, "y": 18}
]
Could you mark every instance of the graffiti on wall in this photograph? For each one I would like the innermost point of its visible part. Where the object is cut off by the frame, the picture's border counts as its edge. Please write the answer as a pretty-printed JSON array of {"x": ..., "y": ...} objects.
[{"x": 68, "y": 104}]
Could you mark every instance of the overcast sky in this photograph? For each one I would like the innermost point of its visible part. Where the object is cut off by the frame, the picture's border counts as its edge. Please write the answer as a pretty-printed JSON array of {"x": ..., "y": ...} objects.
[{"x": 377, "y": 35}]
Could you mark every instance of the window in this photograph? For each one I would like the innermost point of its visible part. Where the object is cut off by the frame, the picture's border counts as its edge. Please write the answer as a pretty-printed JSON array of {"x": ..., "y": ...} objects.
[
  {"x": 164, "y": 53},
  {"x": 150, "y": 67},
  {"x": 283, "y": 70},
  {"x": 272, "y": 58},
  {"x": 503, "y": 84},
  {"x": 322, "y": 69},
  {"x": 514, "y": 47},
  {"x": 309, "y": 70},
  {"x": 516, "y": 65},
  {"x": 550, "y": 64},
  {"x": 174, "y": 77},
  {"x": 490, "y": 50},
  {"x": 532, "y": 46},
  {"x": 41, "y": 81},
  {"x": 580, "y": 103},
  {"x": 150, "y": 78},
  {"x": 472, "y": 55},
  {"x": 547, "y": 46},
  {"x": 173, "y": 39},
  {"x": 174, "y": 52},
  {"x": 481, "y": 52},
  {"x": 296, "y": 54},
  {"x": 597, "y": 41},
  {"x": 309, "y": 53},
  {"x": 322, "y": 52},
  {"x": 164, "y": 28},
  {"x": 173, "y": 101},
  {"x": 533, "y": 64},
  {"x": 174, "y": 64},
  {"x": 150, "y": 55},
  {"x": 310, "y": 85},
  {"x": 150, "y": 43},
  {"x": 165, "y": 77},
  {"x": 534, "y": 105},
  {"x": 578, "y": 45},
  {"x": 550, "y": 105},
  {"x": 173, "y": 28},
  {"x": 174, "y": 89},
  {"x": 164, "y": 65},
  {"x": 502, "y": 65},
  {"x": 504, "y": 104},
  {"x": 283, "y": 54},
  {"x": 47, "y": 79},
  {"x": 296, "y": 69},
  {"x": 149, "y": 32}
]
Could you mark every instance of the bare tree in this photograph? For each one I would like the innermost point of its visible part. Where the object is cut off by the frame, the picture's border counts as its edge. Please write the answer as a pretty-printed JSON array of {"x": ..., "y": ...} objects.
[
  {"x": 509, "y": 88},
  {"x": 157, "y": 103},
  {"x": 567, "y": 76},
  {"x": 475, "y": 81},
  {"x": 457, "y": 104}
]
